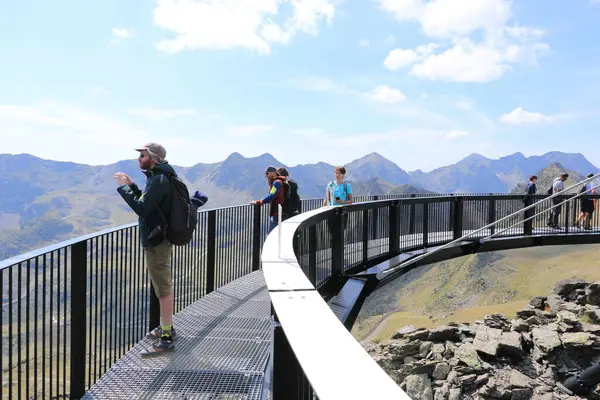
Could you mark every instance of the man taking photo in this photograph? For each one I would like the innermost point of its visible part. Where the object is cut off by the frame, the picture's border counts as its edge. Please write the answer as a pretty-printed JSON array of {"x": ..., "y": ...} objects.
[{"x": 149, "y": 205}]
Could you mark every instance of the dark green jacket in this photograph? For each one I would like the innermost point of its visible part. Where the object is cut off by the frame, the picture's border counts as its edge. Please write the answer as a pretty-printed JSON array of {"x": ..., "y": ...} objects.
[{"x": 156, "y": 194}]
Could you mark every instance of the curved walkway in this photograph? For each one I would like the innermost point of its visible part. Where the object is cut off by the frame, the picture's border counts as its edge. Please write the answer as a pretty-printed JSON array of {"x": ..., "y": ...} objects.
[
  {"x": 222, "y": 351},
  {"x": 224, "y": 340}
]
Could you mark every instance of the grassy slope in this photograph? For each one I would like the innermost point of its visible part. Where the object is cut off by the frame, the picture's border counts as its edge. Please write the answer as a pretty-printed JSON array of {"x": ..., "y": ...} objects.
[{"x": 466, "y": 289}]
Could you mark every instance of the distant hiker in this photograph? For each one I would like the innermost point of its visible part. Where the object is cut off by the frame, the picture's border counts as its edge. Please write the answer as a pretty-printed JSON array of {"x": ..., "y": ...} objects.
[
  {"x": 528, "y": 200},
  {"x": 587, "y": 205},
  {"x": 557, "y": 186},
  {"x": 338, "y": 193},
  {"x": 278, "y": 189},
  {"x": 154, "y": 208},
  {"x": 295, "y": 201}
]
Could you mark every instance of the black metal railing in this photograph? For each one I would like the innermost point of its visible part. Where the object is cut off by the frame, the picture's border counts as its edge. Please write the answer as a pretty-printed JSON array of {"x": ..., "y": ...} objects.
[
  {"x": 339, "y": 242},
  {"x": 71, "y": 310}
]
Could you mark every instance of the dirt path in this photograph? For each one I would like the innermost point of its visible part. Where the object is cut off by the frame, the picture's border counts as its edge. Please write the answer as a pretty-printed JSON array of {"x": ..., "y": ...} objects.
[{"x": 376, "y": 330}]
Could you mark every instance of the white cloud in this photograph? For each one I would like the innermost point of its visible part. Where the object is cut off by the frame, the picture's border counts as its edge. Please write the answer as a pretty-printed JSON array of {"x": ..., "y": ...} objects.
[
  {"x": 461, "y": 58},
  {"x": 386, "y": 94},
  {"x": 399, "y": 58},
  {"x": 465, "y": 62},
  {"x": 224, "y": 24},
  {"x": 247, "y": 131},
  {"x": 273, "y": 33},
  {"x": 449, "y": 18},
  {"x": 519, "y": 116},
  {"x": 363, "y": 42},
  {"x": 455, "y": 134},
  {"x": 122, "y": 33},
  {"x": 162, "y": 114},
  {"x": 403, "y": 10},
  {"x": 317, "y": 84}
]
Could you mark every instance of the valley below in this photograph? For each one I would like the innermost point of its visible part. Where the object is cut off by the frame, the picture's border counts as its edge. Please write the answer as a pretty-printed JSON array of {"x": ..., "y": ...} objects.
[{"x": 468, "y": 288}]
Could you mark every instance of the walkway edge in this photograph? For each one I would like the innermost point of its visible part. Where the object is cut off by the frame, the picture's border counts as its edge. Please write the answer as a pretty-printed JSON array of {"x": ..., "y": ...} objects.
[{"x": 326, "y": 351}]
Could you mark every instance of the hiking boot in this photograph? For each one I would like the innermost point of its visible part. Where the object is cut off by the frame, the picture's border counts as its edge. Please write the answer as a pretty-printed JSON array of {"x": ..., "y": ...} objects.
[
  {"x": 162, "y": 345},
  {"x": 157, "y": 332}
]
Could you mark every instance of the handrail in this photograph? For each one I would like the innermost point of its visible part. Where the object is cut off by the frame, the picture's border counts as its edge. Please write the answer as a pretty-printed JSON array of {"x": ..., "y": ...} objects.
[
  {"x": 485, "y": 239},
  {"x": 413, "y": 260},
  {"x": 60, "y": 245},
  {"x": 304, "y": 317}
]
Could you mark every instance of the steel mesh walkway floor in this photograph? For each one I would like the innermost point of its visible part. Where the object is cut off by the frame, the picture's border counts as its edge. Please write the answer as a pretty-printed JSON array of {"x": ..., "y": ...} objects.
[{"x": 222, "y": 351}]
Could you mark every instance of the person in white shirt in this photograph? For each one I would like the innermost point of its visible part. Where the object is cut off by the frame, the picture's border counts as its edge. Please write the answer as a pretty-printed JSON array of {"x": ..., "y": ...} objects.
[{"x": 557, "y": 186}]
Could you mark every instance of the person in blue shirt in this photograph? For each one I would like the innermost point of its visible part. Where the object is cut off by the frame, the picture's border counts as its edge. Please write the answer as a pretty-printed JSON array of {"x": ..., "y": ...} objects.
[{"x": 338, "y": 192}]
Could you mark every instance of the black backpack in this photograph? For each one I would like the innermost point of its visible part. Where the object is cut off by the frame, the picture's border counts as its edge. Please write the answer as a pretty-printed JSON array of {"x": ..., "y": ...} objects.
[
  {"x": 184, "y": 214},
  {"x": 291, "y": 200},
  {"x": 294, "y": 198}
]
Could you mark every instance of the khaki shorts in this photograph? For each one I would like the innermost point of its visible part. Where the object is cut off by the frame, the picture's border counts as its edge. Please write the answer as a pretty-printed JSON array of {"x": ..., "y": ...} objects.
[{"x": 158, "y": 261}]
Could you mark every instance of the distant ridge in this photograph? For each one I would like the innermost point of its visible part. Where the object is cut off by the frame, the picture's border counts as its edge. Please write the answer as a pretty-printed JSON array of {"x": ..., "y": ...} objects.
[{"x": 43, "y": 201}]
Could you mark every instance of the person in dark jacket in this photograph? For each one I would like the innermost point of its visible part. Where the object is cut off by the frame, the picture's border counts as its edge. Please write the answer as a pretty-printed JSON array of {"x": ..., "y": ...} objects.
[
  {"x": 148, "y": 205},
  {"x": 528, "y": 200},
  {"x": 275, "y": 196}
]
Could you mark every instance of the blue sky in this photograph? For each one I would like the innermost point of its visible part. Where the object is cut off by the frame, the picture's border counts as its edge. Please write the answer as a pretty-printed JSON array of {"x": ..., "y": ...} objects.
[{"x": 424, "y": 83}]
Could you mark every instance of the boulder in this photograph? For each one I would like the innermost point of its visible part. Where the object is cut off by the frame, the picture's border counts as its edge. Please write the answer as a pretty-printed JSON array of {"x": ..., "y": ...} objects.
[
  {"x": 567, "y": 287},
  {"x": 487, "y": 340},
  {"x": 405, "y": 349},
  {"x": 510, "y": 345},
  {"x": 545, "y": 339},
  {"x": 497, "y": 321},
  {"x": 418, "y": 387},
  {"x": 576, "y": 340},
  {"x": 442, "y": 333},
  {"x": 538, "y": 302},
  {"x": 400, "y": 333},
  {"x": 441, "y": 371},
  {"x": 592, "y": 294},
  {"x": 467, "y": 355}
]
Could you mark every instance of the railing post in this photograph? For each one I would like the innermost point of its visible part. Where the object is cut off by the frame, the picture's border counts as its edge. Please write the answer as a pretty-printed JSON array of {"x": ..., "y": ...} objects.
[
  {"x": 78, "y": 318},
  {"x": 312, "y": 254},
  {"x": 394, "y": 224},
  {"x": 256, "y": 238},
  {"x": 457, "y": 222},
  {"x": 425, "y": 223},
  {"x": 375, "y": 220},
  {"x": 567, "y": 212},
  {"x": 211, "y": 250},
  {"x": 528, "y": 225},
  {"x": 365, "y": 235},
  {"x": 337, "y": 243},
  {"x": 492, "y": 214},
  {"x": 287, "y": 373},
  {"x": 413, "y": 217}
]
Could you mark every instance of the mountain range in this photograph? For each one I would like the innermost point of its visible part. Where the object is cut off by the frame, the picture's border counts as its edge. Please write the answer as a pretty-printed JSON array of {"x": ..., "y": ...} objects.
[{"x": 43, "y": 201}]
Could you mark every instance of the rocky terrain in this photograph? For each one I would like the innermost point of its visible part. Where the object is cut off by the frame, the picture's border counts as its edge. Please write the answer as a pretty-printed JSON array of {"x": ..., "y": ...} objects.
[{"x": 552, "y": 338}]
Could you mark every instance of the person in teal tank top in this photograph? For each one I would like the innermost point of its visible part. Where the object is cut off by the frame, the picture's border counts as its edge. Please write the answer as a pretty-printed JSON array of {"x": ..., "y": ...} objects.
[{"x": 338, "y": 192}]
